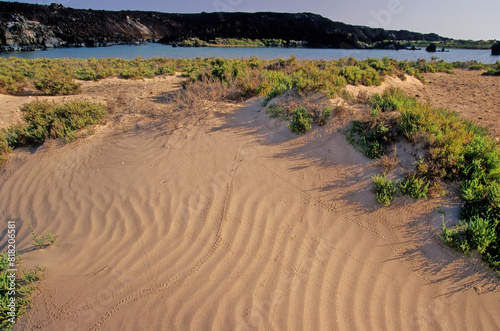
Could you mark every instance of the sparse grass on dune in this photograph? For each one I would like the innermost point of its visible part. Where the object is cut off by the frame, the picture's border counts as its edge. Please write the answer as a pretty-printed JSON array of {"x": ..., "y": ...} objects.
[
  {"x": 456, "y": 149},
  {"x": 25, "y": 284},
  {"x": 301, "y": 110},
  {"x": 46, "y": 120}
]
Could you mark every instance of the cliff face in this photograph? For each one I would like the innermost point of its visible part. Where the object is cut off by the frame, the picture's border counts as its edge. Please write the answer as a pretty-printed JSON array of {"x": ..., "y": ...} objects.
[
  {"x": 19, "y": 32},
  {"x": 27, "y": 25}
]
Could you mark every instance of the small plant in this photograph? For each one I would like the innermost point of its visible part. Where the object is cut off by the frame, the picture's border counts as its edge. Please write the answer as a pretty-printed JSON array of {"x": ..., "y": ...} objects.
[
  {"x": 384, "y": 189},
  {"x": 414, "y": 187},
  {"x": 274, "y": 111},
  {"x": 301, "y": 121},
  {"x": 324, "y": 115},
  {"x": 454, "y": 238},
  {"x": 51, "y": 238},
  {"x": 370, "y": 138},
  {"x": 47, "y": 120},
  {"x": 24, "y": 285},
  {"x": 40, "y": 240}
]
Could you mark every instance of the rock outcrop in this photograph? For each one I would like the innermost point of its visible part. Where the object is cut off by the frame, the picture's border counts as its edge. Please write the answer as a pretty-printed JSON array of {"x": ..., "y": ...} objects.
[
  {"x": 22, "y": 34},
  {"x": 54, "y": 25},
  {"x": 431, "y": 48},
  {"x": 495, "y": 49}
]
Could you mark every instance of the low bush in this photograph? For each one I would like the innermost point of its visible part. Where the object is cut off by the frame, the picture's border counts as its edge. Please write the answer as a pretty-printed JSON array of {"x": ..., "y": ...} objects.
[
  {"x": 392, "y": 99},
  {"x": 46, "y": 120},
  {"x": 300, "y": 120},
  {"x": 54, "y": 83},
  {"x": 302, "y": 110},
  {"x": 384, "y": 189},
  {"x": 494, "y": 71},
  {"x": 372, "y": 137},
  {"x": 414, "y": 187}
]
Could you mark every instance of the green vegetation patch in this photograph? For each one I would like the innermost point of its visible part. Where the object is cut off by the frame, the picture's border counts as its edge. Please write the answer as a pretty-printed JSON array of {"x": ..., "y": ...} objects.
[
  {"x": 301, "y": 111},
  {"x": 25, "y": 283},
  {"x": 46, "y": 120},
  {"x": 494, "y": 71},
  {"x": 456, "y": 149},
  {"x": 384, "y": 189}
]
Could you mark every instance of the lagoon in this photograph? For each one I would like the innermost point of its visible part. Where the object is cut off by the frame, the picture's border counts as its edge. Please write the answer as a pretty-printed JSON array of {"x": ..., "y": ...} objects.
[{"x": 151, "y": 50}]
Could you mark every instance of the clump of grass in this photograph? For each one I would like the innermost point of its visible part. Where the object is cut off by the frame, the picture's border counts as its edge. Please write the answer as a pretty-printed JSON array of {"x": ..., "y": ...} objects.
[
  {"x": 384, "y": 189},
  {"x": 324, "y": 115},
  {"x": 25, "y": 284},
  {"x": 275, "y": 111}
]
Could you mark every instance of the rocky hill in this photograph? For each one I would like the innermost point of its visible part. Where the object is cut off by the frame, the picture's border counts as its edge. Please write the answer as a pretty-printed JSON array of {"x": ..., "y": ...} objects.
[{"x": 28, "y": 26}]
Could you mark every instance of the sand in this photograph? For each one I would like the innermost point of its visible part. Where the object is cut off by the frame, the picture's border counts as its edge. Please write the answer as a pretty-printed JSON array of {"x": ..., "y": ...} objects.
[{"x": 228, "y": 221}]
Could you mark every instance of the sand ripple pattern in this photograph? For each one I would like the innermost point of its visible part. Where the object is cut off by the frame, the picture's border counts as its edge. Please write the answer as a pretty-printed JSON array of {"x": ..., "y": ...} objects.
[{"x": 217, "y": 227}]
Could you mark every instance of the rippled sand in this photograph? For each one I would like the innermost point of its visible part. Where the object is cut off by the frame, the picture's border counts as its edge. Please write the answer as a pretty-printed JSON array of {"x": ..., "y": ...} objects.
[{"x": 230, "y": 222}]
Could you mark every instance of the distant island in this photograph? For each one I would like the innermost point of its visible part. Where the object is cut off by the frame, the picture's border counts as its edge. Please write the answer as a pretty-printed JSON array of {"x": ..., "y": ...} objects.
[{"x": 32, "y": 27}]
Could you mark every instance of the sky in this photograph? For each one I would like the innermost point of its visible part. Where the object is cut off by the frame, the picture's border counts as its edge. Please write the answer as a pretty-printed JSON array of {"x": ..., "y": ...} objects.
[{"x": 459, "y": 19}]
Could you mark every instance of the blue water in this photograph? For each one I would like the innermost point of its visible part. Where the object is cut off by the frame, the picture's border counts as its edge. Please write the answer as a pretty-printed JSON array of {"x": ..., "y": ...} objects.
[{"x": 157, "y": 50}]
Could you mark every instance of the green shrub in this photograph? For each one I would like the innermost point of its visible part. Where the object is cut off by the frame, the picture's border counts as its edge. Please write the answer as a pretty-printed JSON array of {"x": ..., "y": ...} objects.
[
  {"x": 46, "y": 120},
  {"x": 12, "y": 83},
  {"x": 494, "y": 71},
  {"x": 166, "y": 70},
  {"x": 137, "y": 73},
  {"x": 370, "y": 139},
  {"x": 352, "y": 74},
  {"x": 4, "y": 147},
  {"x": 274, "y": 111},
  {"x": 455, "y": 238},
  {"x": 57, "y": 84},
  {"x": 392, "y": 99},
  {"x": 414, "y": 187},
  {"x": 301, "y": 120},
  {"x": 384, "y": 189}
]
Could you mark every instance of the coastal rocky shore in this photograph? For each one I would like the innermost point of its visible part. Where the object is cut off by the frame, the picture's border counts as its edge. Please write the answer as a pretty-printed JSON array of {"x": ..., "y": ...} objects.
[{"x": 33, "y": 27}]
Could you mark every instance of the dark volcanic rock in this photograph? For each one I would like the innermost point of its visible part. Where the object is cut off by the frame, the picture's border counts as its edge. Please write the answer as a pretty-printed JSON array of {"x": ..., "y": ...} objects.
[
  {"x": 431, "y": 48},
  {"x": 495, "y": 49},
  {"x": 61, "y": 25},
  {"x": 21, "y": 34}
]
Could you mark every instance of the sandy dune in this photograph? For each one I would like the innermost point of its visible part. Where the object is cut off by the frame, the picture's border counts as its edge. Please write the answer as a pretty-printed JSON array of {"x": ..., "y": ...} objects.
[{"x": 231, "y": 222}]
